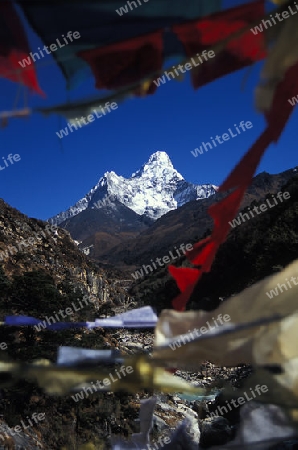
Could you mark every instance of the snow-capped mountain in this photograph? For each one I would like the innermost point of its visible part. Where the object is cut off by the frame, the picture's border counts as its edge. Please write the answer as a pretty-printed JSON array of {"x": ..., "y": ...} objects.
[{"x": 152, "y": 191}]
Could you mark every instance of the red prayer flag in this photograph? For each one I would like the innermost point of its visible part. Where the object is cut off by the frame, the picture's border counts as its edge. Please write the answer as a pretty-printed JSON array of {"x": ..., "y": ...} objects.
[
  {"x": 205, "y": 33},
  {"x": 186, "y": 280},
  {"x": 14, "y": 47},
  {"x": 183, "y": 276},
  {"x": 127, "y": 62},
  {"x": 240, "y": 178},
  {"x": 179, "y": 303}
]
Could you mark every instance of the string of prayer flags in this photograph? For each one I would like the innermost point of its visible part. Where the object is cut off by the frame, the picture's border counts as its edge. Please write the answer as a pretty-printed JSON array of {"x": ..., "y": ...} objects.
[
  {"x": 77, "y": 356},
  {"x": 106, "y": 25},
  {"x": 21, "y": 321},
  {"x": 136, "y": 373},
  {"x": 143, "y": 317},
  {"x": 124, "y": 63},
  {"x": 235, "y": 48}
]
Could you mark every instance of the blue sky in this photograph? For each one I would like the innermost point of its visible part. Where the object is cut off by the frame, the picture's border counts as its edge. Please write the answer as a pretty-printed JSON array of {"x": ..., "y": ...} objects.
[{"x": 53, "y": 174}]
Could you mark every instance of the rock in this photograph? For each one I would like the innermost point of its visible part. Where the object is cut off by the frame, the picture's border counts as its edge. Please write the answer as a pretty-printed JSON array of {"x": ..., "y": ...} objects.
[
  {"x": 233, "y": 415},
  {"x": 193, "y": 425},
  {"x": 134, "y": 346},
  {"x": 260, "y": 423},
  {"x": 215, "y": 431},
  {"x": 159, "y": 424},
  {"x": 202, "y": 408},
  {"x": 176, "y": 399},
  {"x": 186, "y": 437}
]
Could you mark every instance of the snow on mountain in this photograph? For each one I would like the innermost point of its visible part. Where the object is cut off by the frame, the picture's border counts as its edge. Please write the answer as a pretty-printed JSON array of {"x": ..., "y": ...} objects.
[{"x": 154, "y": 190}]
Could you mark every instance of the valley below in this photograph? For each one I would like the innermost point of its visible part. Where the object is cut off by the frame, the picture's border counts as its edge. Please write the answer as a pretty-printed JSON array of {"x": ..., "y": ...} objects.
[{"x": 54, "y": 272}]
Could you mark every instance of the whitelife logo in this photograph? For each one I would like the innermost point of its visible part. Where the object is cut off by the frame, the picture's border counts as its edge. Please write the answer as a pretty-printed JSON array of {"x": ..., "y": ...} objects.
[
  {"x": 68, "y": 311},
  {"x": 293, "y": 101},
  {"x": 199, "y": 331},
  {"x": 166, "y": 260},
  {"x": 101, "y": 385},
  {"x": 263, "y": 207},
  {"x": 107, "y": 201},
  {"x": 161, "y": 442},
  {"x": 32, "y": 56},
  {"x": 274, "y": 292},
  {"x": 124, "y": 9},
  {"x": 10, "y": 158},
  {"x": 265, "y": 22},
  {"x": 225, "y": 137},
  {"x": 240, "y": 400},
  {"x": 18, "y": 428},
  {"x": 90, "y": 118},
  {"x": 27, "y": 242},
  {"x": 187, "y": 66}
]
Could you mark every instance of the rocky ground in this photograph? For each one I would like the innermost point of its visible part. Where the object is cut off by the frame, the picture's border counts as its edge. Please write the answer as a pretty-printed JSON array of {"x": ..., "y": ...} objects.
[
  {"x": 172, "y": 410},
  {"x": 117, "y": 414}
]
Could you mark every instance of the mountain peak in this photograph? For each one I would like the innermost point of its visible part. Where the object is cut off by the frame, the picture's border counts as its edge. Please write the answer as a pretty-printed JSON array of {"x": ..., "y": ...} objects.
[
  {"x": 158, "y": 167},
  {"x": 160, "y": 157},
  {"x": 152, "y": 191}
]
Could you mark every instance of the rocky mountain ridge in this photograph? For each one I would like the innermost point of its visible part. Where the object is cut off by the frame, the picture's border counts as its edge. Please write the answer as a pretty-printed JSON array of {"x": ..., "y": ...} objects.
[
  {"x": 185, "y": 225},
  {"x": 151, "y": 191},
  {"x": 28, "y": 244}
]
